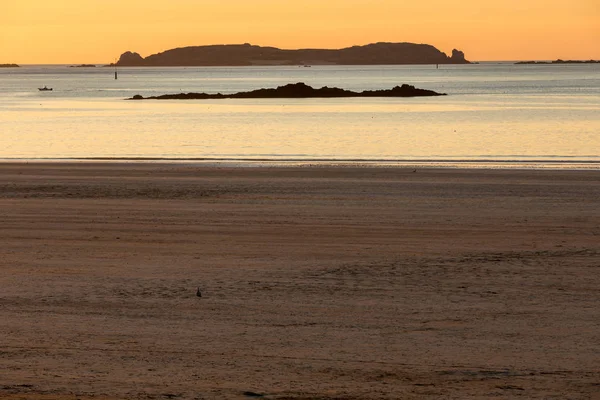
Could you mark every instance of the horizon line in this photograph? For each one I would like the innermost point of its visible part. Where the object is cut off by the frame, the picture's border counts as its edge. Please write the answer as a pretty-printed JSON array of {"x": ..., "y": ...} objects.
[
  {"x": 312, "y": 48},
  {"x": 316, "y": 65}
]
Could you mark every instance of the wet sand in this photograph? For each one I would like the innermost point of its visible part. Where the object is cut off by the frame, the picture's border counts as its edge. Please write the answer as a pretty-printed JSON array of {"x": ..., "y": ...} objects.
[{"x": 320, "y": 282}]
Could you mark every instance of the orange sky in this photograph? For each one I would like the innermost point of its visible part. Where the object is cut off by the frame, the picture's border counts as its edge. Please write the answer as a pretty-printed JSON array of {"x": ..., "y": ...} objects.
[{"x": 98, "y": 31}]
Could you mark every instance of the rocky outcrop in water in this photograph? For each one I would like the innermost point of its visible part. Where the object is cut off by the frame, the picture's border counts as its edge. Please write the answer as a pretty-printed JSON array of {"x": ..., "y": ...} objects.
[
  {"x": 296, "y": 91},
  {"x": 9, "y": 66},
  {"x": 458, "y": 57},
  {"x": 247, "y": 54},
  {"x": 130, "y": 59}
]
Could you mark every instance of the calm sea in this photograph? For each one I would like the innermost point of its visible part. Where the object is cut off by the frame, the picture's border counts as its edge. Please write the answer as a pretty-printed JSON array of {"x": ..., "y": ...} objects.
[{"x": 539, "y": 115}]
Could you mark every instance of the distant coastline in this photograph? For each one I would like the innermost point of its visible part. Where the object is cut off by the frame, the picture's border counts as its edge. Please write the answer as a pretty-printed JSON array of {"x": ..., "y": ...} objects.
[
  {"x": 9, "y": 66},
  {"x": 251, "y": 55},
  {"x": 559, "y": 61}
]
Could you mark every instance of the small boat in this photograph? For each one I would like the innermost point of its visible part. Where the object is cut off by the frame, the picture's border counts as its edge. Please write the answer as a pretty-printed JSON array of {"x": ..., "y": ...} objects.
[{"x": 44, "y": 89}]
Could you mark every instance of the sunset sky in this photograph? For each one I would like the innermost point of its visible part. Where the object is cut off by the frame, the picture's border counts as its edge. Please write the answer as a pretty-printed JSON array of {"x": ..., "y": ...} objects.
[{"x": 98, "y": 31}]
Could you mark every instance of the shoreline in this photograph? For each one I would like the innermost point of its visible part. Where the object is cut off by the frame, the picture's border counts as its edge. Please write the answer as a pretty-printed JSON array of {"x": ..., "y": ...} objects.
[{"x": 478, "y": 164}]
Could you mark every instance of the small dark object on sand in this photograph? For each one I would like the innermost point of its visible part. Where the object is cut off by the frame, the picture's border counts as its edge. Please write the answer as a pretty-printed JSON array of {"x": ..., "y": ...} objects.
[
  {"x": 198, "y": 292},
  {"x": 252, "y": 394}
]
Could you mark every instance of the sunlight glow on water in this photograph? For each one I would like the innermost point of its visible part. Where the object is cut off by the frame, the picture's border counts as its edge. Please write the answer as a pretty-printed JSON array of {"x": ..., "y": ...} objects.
[{"x": 492, "y": 112}]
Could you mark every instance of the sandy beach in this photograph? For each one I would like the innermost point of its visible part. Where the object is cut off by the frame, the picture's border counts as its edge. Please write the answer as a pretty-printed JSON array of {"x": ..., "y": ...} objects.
[{"x": 317, "y": 282}]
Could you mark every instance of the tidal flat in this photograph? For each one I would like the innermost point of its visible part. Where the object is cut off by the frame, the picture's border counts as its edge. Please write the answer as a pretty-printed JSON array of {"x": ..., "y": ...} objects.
[{"x": 317, "y": 282}]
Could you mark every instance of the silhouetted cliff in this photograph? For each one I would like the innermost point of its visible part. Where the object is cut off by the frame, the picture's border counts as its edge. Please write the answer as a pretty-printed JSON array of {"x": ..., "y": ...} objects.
[
  {"x": 297, "y": 91},
  {"x": 246, "y": 54}
]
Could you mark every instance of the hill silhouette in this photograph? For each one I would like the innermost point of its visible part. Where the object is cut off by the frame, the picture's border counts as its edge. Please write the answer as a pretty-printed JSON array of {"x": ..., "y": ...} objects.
[{"x": 247, "y": 54}]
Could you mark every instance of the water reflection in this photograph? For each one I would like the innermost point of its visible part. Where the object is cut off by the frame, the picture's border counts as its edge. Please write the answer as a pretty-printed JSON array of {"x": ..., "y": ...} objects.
[{"x": 542, "y": 118}]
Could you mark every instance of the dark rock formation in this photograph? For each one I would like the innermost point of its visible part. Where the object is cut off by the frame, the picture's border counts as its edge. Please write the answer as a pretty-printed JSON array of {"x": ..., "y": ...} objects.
[
  {"x": 130, "y": 58},
  {"x": 246, "y": 54},
  {"x": 9, "y": 66},
  {"x": 298, "y": 90},
  {"x": 458, "y": 57},
  {"x": 83, "y": 66}
]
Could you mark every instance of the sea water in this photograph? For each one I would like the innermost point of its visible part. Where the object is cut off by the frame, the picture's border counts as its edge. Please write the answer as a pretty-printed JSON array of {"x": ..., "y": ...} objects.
[{"x": 493, "y": 113}]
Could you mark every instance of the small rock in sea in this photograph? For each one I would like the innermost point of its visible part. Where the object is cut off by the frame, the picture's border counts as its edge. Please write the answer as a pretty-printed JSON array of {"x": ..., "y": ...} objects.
[{"x": 198, "y": 293}]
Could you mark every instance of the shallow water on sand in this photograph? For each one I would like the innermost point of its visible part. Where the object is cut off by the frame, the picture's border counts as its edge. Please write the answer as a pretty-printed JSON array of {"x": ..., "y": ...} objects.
[{"x": 493, "y": 113}]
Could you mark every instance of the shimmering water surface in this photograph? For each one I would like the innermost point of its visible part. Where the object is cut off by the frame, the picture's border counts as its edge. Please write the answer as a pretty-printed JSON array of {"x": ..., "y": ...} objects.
[{"x": 493, "y": 113}]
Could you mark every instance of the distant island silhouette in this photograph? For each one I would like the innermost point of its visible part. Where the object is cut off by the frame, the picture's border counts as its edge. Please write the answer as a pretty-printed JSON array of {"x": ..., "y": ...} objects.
[
  {"x": 247, "y": 55},
  {"x": 83, "y": 66},
  {"x": 559, "y": 61},
  {"x": 298, "y": 90},
  {"x": 9, "y": 66}
]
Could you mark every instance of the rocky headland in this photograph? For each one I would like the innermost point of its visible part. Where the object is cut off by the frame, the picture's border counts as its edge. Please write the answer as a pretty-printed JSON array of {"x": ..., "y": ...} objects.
[
  {"x": 9, "y": 66},
  {"x": 296, "y": 91},
  {"x": 247, "y": 55}
]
